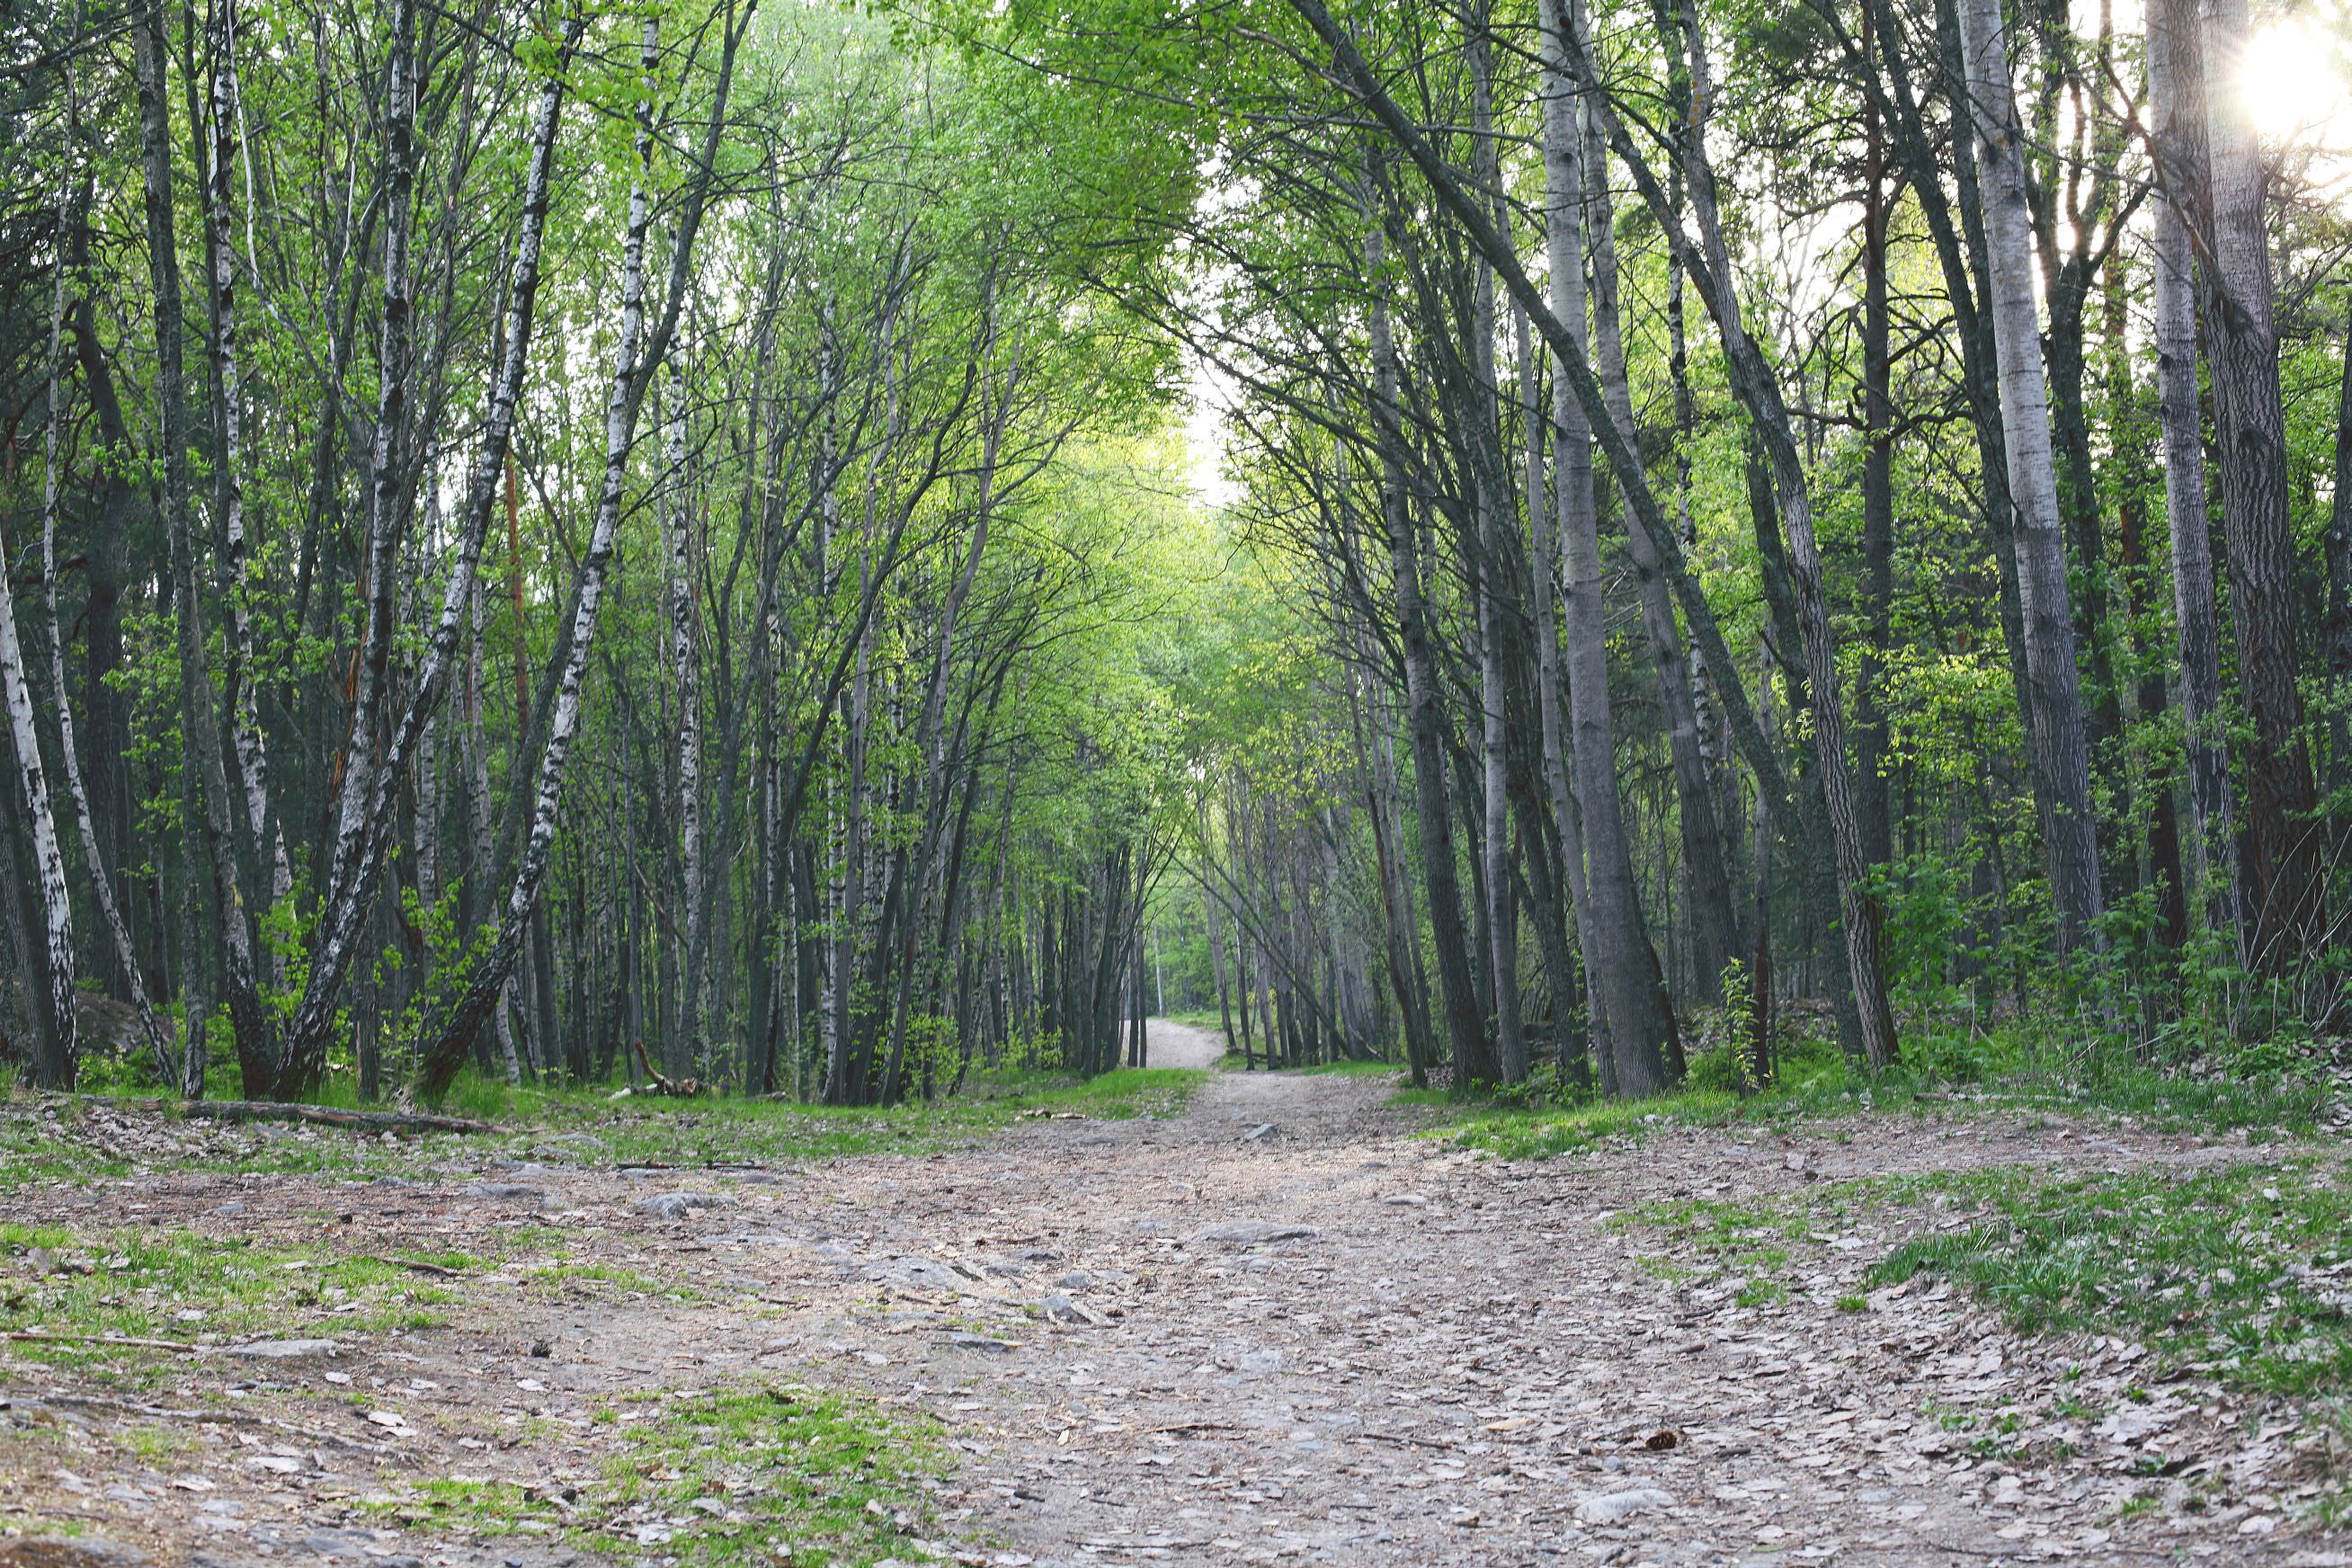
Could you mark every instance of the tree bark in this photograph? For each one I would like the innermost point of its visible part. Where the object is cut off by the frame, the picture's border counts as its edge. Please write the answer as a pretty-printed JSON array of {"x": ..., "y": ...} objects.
[
  {"x": 1619, "y": 970},
  {"x": 2280, "y": 883},
  {"x": 2176, "y": 88},
  {"x": 1456, "y": 985},
  {"x": 2059, "y": 749}
]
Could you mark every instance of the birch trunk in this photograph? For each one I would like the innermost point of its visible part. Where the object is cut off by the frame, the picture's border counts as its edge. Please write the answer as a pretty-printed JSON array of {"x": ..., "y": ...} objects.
[
  {"x": 228, "y": 482},
  {"x": 1620, "y": 970},
  {"x": 2060, "y": 752},
  {"x": 679, "y": 527},
  {"x": 1464, "y": 1030},
  {"x": 2176, "y": 90},
  {"x": 101, "y": 879},
  {"x": 363, "y": 814},
  {"x": 206, "y": 812},
  {"x": 638, "y": 353},
  {"x": 56, "y": 1063},
  {"x": 1706, "y": 861}
]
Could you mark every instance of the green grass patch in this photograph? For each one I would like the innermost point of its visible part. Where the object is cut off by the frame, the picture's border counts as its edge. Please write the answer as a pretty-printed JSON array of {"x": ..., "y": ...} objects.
[
  {"x": 781, "y": 1473},
  {"x": 1817, "y": 1085},
  {"x": 2244, "y": 1273},
  {"x": 2241, "y": 1272},
  {"x": 184, "y": 1288},
  {"x": 61, "y": 1139}
]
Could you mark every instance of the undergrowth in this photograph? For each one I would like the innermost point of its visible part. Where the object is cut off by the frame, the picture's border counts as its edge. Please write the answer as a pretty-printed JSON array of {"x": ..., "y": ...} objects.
[
  {"x": 2241, "y": 1272},
  {"x": 57, "y": 1138},
  {"x": 1815, "y": 1083},
  {"x": 781, "y": 1473},
  {"x": 80, "y": 1289}
]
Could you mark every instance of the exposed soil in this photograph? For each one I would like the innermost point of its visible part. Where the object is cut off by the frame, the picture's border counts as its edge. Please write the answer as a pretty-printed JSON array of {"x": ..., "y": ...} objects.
[{"x": 1278, "y": 1329}]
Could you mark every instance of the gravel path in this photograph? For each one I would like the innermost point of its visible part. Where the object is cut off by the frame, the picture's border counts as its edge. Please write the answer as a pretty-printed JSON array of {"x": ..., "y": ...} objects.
[
  {"x": 1278, "y": 1329},
  {"x": 1167, "y": 1044}
]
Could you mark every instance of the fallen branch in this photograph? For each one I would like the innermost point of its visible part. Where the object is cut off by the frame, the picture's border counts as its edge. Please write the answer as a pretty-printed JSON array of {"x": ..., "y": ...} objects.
[
  {"x": 676, "y": 1088},
  {"x": 218, "y": 1417},
  {"x": 1192, "y": 1427},
  {"x": 1410, "y": 1442},
  {"x": 39, "y": 1336},
  {"x": 324, "y": 1115},
  {"x": 417, "y": 1265}
]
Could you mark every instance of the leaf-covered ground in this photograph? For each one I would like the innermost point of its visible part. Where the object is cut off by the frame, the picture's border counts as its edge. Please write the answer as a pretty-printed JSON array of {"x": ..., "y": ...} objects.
[{"x": 1282, "y": 1326}]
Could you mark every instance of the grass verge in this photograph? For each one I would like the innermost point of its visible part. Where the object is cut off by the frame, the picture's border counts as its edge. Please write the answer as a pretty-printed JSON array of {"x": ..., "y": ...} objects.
[
  {"x": 2242, "y": 1273},
  {"x": 781, "y": 1473},
  {"x": 82, "y": 1138},
  {"x": 86, "y": 1288},
  {"x": 1818, "y": 1085}
]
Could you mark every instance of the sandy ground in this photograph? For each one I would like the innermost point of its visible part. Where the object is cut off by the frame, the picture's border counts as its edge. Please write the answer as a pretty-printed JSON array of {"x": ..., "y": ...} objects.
[
  {"x": 1166, "y": 1044},
  {"x": 1280, "y": 1329}
]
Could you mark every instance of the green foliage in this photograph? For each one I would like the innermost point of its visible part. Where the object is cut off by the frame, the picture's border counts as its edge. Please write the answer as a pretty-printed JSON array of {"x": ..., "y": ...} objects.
[
  {"x": 88, "y": 1286},
  {"x": 2234, "y": 1272},
  {"x": 718, "y": 1478}
]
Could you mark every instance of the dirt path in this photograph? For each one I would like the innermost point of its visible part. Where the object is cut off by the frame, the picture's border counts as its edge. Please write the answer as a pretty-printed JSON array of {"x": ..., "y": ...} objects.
[
  {"x": 1167, "y": 1044},
  {"x": 1279, "y": 1328}
]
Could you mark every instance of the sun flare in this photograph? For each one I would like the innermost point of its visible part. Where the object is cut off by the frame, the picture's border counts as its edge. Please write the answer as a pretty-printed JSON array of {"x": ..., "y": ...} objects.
[{"x": 2297, "y": 83}]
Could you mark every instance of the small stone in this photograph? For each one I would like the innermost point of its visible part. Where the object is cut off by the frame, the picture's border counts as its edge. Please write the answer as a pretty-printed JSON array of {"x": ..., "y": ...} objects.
[
  {"x": 1063, "y": 1309},
  {"x": 69, "y": 1551},
  {"x": 676, "y": 1206},
  {"x": 1263, "y": 1131},
  {"x": 1256, "y": 1232},
  {"x": 503, "y": 1190},
  {"x": 1405, "y": 1200},
  {"x": 285, "y": 1350},
  {"x": 1608, "y": 1508}
]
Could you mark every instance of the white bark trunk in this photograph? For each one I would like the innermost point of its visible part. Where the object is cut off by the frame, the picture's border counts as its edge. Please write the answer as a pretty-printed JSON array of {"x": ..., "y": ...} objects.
[
  {"x": 1618, "y": 974},
  {"x": 364, "y": 819},
  {"x": 2062, "y": 757},
  {"x": 2175, "y": 125}
]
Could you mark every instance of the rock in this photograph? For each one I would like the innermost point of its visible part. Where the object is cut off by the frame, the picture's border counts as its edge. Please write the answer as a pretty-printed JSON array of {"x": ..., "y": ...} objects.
[
  {"x": 1263, "y": 1131},
  {"x": 285, "y": 1350},
  {"x": 1405, "y": 1200},
  {"x": 74, "y": 1552},
  {"x": 923, "y": 1274},
  {"x": 504, "y": 1190},
  {"x": 676, "y": 1206},
  {"x": 1608, "y": 1508},
  {"x": 968, "y": 1341},
  {"x": 1256, "y": 1232},
  {"x": 1063, "y": 1309}
]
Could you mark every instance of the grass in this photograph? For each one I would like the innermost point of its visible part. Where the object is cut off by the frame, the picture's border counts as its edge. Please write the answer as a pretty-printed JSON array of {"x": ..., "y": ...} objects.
[
  {"x": 61, "y": 1140},
  {"x": 186, "y": 1288},
  {"x": 1818, "y": 1085},
  {"x": 781, "y": 1473},
  {"x": 2243, "y": 1273}
]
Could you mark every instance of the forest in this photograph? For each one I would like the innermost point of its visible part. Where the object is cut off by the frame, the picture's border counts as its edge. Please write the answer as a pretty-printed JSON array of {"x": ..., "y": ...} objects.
[{"x": 807, "y": 550}]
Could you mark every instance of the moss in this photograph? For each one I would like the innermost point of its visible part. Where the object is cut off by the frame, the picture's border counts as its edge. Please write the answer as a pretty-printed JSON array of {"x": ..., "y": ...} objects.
[{"x": 718, "y": 1477}]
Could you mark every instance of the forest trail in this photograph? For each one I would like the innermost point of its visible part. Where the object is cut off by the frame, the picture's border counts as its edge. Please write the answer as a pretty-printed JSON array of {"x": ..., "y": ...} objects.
[
  {"x": 1278, "y": 1327},
  {"x": 1169, "y": 1044}
]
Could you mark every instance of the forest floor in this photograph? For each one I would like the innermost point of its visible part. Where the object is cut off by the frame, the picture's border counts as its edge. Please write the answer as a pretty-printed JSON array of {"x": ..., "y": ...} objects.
[{"x": 1286, "y": 1325}]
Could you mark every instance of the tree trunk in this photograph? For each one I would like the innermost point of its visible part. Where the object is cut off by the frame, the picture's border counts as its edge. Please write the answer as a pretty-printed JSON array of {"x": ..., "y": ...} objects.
[
  {"x": 2061, "y": 755},
  {"x": 1714, "y": 922},
  {"x": 2280, "y": 882},
  {"x": 1618, "y": 969},
  {"x": 1465, "y": 1034},
  {"x": 2176, "y": 88}
]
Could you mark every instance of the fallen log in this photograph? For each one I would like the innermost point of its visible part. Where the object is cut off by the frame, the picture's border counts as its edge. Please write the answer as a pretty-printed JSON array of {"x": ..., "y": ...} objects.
[{"x": 323, "y": 1115}]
